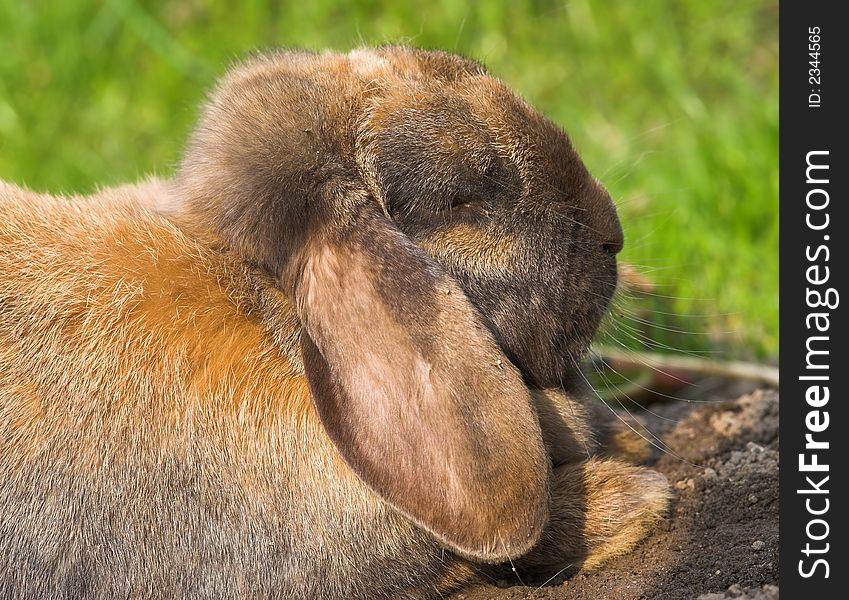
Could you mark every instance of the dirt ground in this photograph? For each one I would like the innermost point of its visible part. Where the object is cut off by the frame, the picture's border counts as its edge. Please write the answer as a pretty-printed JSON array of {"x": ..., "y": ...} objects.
[{"x": 720, "y": 540}]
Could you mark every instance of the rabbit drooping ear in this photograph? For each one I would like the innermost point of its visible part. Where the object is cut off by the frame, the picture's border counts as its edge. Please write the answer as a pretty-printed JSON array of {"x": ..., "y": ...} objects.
[
  {"x": 416, "y": 394},
  {"x": 409, "y": 384}
]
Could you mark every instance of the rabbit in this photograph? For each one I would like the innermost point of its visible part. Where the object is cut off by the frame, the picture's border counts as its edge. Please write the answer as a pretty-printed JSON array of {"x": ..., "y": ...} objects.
[{"x": 336, "y": 355}]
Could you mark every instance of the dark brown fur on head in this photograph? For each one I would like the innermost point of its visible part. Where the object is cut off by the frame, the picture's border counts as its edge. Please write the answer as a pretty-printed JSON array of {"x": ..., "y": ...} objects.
[{"x": 294, "y": 145}]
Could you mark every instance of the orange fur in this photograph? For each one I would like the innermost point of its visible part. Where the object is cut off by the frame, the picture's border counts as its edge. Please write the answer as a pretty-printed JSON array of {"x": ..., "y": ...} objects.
[{"x": 150, "y": 307}]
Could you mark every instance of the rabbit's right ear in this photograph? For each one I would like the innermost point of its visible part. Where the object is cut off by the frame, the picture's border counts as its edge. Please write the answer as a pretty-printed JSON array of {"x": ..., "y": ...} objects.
[{"x": 415, "y": 393}]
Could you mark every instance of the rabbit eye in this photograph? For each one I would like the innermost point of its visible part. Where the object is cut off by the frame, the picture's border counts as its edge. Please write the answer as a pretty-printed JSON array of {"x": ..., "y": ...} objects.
[
  {"x": 469, "y": 207},
  {"x": 463, "y": 204}
]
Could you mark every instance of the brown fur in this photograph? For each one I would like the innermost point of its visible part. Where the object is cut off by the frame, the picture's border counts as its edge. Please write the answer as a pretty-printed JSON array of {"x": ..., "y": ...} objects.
[
  {"x": 300, "y": 368},
  {"x": 600, "y": 508}
]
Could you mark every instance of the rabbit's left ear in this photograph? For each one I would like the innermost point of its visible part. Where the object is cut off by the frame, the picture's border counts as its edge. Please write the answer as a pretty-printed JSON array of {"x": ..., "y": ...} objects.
[{"x": 414, "y": 391}]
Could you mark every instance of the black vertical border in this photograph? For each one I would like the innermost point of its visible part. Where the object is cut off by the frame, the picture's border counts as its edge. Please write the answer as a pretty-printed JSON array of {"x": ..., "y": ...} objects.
[{"x": 804, "y": 129}]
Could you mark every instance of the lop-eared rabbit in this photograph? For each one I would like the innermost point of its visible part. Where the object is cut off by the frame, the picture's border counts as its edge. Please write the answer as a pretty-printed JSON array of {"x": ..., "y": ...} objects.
[{"x": 336, "y": 356}]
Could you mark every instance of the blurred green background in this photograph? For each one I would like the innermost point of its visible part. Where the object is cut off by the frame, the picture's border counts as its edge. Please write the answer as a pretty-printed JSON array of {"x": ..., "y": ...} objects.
[{"x": 672, "y": 104}]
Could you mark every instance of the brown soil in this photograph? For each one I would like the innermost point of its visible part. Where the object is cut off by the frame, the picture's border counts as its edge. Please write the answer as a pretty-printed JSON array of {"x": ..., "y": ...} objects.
[{"x": 720, "y": 539}]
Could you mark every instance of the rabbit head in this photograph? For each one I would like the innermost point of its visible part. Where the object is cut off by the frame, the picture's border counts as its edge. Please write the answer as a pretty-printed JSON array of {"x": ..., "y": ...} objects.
[{"x": 443, "y": 246}]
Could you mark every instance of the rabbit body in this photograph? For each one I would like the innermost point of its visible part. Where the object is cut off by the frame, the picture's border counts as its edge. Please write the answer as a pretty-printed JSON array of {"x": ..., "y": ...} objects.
[{"x": 193, "y": 407}]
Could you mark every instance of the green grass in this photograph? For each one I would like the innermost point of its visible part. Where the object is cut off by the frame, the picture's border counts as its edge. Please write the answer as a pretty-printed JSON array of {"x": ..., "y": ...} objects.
[{"x": 672, "y": 104}]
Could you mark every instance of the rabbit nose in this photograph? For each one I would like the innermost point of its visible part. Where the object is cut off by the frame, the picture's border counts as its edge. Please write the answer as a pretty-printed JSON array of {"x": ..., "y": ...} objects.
[
  {"x": 605, "y": 222},
  {"x": 614, "y": 238},
  {"x": 611, "y": 231},
  {"x": 613, "y": 247}
]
